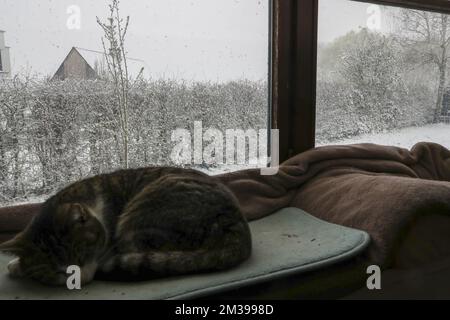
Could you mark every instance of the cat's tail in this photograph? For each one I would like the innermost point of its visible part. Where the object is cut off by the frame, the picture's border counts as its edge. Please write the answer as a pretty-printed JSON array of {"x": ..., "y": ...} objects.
[{"x": 232, "y": 249}]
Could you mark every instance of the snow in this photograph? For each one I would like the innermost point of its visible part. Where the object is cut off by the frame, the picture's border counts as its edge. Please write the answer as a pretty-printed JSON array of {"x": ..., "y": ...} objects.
[
  {"x": 25, "y": 200},
  {"x": 227, "y": 168},
  {"x": 405, "y": 138},
  {"x": 58, "y": 132}
]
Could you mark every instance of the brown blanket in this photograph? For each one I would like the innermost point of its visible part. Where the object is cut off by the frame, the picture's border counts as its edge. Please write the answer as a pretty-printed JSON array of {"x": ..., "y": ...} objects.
[{"x": 379, "y": 189}]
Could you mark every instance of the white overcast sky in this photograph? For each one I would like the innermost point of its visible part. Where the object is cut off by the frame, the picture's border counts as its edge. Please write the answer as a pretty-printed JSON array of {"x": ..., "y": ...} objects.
[
  {"x": 337, "y": 17},
  {"x": 216, "y": 40}
]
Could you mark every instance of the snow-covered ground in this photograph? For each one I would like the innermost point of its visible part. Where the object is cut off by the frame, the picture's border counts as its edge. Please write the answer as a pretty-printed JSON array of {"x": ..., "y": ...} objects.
[
  {"x": 226, "y": 169},
  {"x": 28, "y": 200},
  {"x": 405, "y": 138}
]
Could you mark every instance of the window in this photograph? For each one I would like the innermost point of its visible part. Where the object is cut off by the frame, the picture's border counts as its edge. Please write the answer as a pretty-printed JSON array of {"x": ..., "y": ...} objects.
[
  {"x": 196, "y": 71},
  {"x": 383, "y": 75}
]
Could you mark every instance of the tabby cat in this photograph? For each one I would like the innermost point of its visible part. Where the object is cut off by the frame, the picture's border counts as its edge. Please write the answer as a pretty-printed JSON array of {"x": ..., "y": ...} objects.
[{"x": 133, "y": 224}]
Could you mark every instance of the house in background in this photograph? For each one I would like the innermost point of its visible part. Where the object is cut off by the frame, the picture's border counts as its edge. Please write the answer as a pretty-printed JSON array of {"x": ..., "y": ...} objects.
[
  {"x": 90, "y": 64},
  {"x": 75, "y": 66},
  {"x": 5, "y": 63}
]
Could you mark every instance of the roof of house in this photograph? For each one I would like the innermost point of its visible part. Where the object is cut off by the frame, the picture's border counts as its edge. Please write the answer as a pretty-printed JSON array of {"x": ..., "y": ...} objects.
[
  {"x": 98, "y": 58},
  {"x": 94, "y": 57}
]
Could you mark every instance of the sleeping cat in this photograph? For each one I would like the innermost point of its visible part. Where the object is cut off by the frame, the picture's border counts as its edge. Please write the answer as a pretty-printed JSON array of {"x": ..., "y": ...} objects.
[{"x": 133, "y": 224}]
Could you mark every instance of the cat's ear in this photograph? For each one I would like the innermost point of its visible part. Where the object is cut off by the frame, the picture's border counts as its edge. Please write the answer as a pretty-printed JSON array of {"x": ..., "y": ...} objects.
[
  {"x": 14, "y": 246},
  {"x": 79, "y": 213}
]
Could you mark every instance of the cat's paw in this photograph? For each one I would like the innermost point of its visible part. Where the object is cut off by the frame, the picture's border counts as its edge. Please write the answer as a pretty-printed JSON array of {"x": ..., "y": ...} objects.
[{"x": 14, "y": 268}]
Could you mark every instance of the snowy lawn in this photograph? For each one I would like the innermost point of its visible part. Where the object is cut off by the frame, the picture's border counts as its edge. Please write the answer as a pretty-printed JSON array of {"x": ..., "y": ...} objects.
[{"x": 405, "y": 138}]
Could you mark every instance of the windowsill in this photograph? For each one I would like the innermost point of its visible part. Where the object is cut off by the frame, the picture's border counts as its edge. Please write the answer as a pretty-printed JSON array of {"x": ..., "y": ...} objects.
[{"x": 295, "y": 255}]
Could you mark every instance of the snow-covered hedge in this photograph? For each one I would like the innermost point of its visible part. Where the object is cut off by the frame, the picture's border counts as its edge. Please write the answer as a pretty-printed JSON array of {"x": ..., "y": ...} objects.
[
  {"x": 345, "y": 113},
  {"x": 55, "y": 132},
  {"x": 367, "y": 85}
]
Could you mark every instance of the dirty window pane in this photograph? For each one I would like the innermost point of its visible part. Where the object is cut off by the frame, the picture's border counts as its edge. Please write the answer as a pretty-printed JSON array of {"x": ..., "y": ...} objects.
[
  {"x": 74, "y": 103},
  {"x": 382, "y": 75}
]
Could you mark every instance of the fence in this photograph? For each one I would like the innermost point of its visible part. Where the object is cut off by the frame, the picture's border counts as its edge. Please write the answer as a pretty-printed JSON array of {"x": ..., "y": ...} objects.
[{"x": 444, "y": 119}]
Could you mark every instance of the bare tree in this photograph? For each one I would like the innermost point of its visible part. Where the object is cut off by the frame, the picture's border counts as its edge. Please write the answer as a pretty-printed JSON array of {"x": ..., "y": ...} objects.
[
  {"x": 115, "y": 30},
  {"x": 426, "y": 36}
]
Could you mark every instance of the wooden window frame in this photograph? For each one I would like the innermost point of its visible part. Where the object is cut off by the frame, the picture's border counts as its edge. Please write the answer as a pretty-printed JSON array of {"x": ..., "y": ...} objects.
[{"x": 293, "y": 74}]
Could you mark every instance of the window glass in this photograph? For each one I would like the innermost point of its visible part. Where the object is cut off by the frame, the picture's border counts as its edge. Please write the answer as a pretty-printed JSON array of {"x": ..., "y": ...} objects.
[
  {"x": 85, "y": 104},
  {"x": 383, "y": 75}
]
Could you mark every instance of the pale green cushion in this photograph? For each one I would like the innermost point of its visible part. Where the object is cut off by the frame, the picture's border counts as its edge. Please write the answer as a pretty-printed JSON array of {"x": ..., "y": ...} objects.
[{"x": 285, "y": 243}]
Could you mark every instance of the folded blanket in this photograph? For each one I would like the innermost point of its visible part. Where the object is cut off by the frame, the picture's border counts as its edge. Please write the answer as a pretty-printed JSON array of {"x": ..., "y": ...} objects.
[
  {"x": 381, "y": 190},
  {"x": 378, "y": 189}
]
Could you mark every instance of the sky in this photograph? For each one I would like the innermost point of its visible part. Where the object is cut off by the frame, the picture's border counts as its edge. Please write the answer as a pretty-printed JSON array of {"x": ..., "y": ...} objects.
[
  {"x": 212, "y": 40},
  {"x": 189, "y": 39},
  {"x": 338, "y": 17}
]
